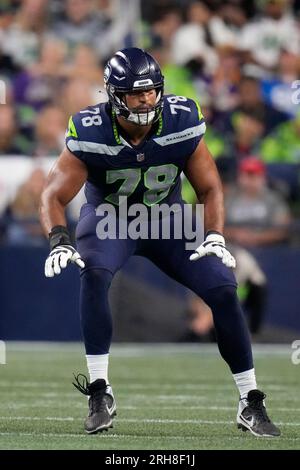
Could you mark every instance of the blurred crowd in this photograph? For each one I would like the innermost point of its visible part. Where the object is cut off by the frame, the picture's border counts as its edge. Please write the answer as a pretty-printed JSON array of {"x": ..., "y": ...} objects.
[{"x": 239, "y": 59}]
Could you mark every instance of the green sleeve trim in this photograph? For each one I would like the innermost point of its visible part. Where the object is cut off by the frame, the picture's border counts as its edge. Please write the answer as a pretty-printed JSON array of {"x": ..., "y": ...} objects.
[
  {"x": 199, "y": 111},
  {"x": 72, "y": 132}
]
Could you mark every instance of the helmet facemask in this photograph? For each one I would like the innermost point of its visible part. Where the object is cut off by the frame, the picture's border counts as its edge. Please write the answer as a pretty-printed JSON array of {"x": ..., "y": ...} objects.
[{"x": 119, "y": 105}]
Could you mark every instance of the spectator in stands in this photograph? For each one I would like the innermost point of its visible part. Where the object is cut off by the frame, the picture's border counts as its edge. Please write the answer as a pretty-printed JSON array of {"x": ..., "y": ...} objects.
[
  {"x": 11, "y": 143},
  {"x": 249, "y": 127},
  {"x": 250, "y": 100},
  {"x": 225, "y": 82},
  {"x": 85, "y": 67},
  {"x": 215, "y": 139},
  {"x": 8, "y": 66},
  {"x": 252, "y": 292},
  {"x": 120, "y": 26},
  {"x": 23, "y": 227},
  {"x": 234, "y": 17},
  {"x": 80, "y": 25},
  {"x": 283, "y": 145},
  {"x": 255, "y": 214},
  {"x": 40, "y": 83},
  {"x": 49, "y": 132},
  {"x": 200, "y": 324},
  {"x": 77, "y": 95},
  {"x": 263, "y": 39},
  {"x": 21, "y": 39},
  {"x": 167, "y": 20},
  {"x": 178, "y": 79},
  {"x": 252, "y": 288},
  {"x": 278, "y": 90},
  {"x": 251, "y": 280},
  {"x": 194, "y": 41}
]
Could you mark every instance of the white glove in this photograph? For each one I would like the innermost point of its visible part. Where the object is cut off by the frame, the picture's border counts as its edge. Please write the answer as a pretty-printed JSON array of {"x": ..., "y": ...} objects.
[
  {"x": 60, "y": 257},
  {"x": 214, "y": 244}
]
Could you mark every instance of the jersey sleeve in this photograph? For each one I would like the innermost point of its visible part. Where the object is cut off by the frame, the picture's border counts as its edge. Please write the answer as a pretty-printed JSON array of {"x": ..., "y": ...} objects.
[
  {"x": 197, "y": 122},
  {"x": 198, "y": 118},
  {"x": 72, "y": 138}
]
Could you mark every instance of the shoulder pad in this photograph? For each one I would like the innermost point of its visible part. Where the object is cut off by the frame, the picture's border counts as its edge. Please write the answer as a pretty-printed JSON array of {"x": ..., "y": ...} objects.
[
  {"x": 182, "y": 112},
  {"x": 84, "y": 126},
  {"x": 182, "y": 120}
]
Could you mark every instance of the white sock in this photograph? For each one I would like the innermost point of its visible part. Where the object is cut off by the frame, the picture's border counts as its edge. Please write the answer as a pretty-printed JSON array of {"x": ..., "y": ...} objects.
[
  {"x": 245, "y": 381},
  {"x": 97, "y": 366}
]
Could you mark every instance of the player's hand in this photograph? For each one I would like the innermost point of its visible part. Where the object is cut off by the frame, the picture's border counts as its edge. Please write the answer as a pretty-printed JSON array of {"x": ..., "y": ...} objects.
[
  {"x": 60, "y": 257},
  {"x": 214, "y": 244}
]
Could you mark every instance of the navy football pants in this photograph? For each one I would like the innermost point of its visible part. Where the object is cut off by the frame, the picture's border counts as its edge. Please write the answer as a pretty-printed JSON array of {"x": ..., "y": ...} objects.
[{"x": 208, "y": 277}]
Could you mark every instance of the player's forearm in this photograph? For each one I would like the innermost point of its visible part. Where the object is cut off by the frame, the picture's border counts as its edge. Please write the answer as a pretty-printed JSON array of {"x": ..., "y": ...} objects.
[
  {"x": 213, "y": 210},
  {"x": 52, "y": 212}
]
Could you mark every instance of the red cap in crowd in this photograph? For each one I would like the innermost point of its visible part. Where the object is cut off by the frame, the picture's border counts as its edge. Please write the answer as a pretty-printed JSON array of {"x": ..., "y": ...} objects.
[{"x": 252, "y": 165}]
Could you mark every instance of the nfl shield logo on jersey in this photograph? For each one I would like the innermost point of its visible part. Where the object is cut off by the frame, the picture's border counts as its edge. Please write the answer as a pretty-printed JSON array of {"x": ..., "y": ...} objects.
[{"x": 140, "y": 157}]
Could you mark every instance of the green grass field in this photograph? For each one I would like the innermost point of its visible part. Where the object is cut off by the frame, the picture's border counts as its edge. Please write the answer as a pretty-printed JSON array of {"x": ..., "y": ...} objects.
[{"x": 168, "y": 397}]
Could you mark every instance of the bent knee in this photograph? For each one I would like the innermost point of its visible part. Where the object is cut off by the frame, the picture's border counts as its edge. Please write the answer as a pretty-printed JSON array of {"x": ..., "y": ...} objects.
[
  {"x": 97, "y": 278},
  {"x": 223, "y": 295}
]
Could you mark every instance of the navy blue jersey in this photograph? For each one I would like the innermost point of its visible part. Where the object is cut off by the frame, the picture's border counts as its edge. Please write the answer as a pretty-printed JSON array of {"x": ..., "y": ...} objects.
[{"x": 148, "y": 173}]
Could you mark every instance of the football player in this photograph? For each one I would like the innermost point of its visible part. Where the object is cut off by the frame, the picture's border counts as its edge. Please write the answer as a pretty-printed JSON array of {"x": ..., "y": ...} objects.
[{"x": 136, "y": 145}]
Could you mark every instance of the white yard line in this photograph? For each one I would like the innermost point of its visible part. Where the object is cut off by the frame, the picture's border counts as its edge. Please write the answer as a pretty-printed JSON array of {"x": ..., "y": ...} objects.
[
  {"x": 200, "y": 407},
  {"x": 134, "y": 349},
  {"x": 132, "y": 420},
  {"x": 138, "y": 386},
  {"x": 139, "y": 437},
  {"x": 137, "y": 397},
  {"x": 81, "y": 406}
]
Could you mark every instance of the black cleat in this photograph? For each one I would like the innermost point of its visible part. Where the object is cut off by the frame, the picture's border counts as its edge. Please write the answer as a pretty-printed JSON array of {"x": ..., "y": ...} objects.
[
  {"x": 252, "y": 416},
  {"x": 102, "y": 405}
]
